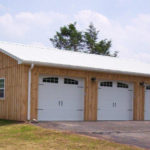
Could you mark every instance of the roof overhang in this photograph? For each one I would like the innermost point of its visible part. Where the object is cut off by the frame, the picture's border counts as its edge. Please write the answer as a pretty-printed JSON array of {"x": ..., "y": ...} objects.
[
  {"x": 84, "y": 68},
  {"x": 59, "y": 65},
  {"x": 20, "y": 61}
]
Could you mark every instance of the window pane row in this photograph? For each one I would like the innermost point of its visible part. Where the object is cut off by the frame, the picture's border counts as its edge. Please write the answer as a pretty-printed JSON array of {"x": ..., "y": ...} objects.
[
  {"x": 70, "y": 81},
  {"x": 122, "y": 85},
  {"x": 108, "y": 84},
  {"x": 51, "y": 80},
  {"x": 56, "y": 80}
]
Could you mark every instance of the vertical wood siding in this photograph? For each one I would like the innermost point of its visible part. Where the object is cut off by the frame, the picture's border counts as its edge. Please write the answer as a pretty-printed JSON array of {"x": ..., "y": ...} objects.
[
  {"x": 91, "y": 89},
  {"x": 13, "y": 107}
]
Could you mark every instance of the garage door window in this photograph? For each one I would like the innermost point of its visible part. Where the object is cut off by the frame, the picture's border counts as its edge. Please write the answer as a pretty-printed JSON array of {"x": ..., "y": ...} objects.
[
  {"x": 122, "y": 85},
  {"x": 70, "y": 81},
  {"x": 50, "y": 80},
  {"x": 2, "y": 88},
  {"x": 108, "y": 84}
]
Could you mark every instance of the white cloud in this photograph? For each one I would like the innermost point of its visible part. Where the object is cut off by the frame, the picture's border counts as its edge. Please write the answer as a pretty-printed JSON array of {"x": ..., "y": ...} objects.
[
  {"x": 137, "y": 37},
  {"x": 26, "y": 23},
  {"x": 131, "y": 40},
  {"x": 41, "y": 19},
  {"x": 11, "y": 27},
  {"x": 86, "y": 16}
]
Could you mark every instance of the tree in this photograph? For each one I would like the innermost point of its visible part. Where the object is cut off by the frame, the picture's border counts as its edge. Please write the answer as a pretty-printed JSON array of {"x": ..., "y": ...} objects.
[
  {"x": 102, "y": 47},
  {"x": 71, "y": 39},
  {"x": 68, "y": 38},
  {"x": 90, "y": 38}
]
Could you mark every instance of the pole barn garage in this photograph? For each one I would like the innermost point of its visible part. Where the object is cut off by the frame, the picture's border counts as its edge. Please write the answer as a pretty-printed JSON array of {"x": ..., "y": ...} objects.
[{"x": 47, "y": 84}]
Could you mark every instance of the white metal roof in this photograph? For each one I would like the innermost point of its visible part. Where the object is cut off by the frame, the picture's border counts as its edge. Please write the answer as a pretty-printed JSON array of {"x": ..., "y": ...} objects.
[{"x": 27, "y": 54}]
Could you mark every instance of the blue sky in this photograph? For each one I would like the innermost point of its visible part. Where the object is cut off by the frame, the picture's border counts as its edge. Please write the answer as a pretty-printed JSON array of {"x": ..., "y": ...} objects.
[{"x": 125, "y": 22}]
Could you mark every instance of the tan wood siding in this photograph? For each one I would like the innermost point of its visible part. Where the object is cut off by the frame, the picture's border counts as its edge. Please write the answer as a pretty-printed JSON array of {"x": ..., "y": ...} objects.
[
  {"x": 13, "y": 106},
  {"x": 91, "y": 89}
]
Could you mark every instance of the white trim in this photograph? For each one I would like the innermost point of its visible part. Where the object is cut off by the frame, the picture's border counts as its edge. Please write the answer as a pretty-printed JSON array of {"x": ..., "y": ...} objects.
[
  {"x": 10, "y": 55},
  {"x": 20, "y": 62},
  {"x": 3, "y": 98},
  {"x": 29, "y": 90},
  {"x": 85, "y": 68}
]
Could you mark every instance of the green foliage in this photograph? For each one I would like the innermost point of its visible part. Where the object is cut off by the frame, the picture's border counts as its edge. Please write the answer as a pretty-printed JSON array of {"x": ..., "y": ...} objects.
[
  {"x": 101, "y": 47},
  {"x": 68, "y": 38},
  {"x": 71, "y": 39},
  {"x": 90, "y": 38}
]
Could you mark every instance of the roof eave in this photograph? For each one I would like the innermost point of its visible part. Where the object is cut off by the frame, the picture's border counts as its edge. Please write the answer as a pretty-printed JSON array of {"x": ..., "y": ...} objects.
[
  {"x": 20, "y": 61},
  {"x": 85, "y": 68}
]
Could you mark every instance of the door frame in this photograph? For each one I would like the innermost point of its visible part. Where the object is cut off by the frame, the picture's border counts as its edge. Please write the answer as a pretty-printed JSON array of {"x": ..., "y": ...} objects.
[
  {"x": 59, "y": 76},
  {"x": 122, "y": 81}
]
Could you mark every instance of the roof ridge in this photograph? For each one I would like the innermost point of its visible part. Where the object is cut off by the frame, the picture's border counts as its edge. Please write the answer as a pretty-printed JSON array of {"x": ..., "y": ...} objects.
[
  {"x": 52, "y": 48},
  {"x": 21, "y": 44}
]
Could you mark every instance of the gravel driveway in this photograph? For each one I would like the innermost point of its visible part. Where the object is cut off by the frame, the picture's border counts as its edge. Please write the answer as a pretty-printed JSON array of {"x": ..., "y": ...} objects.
[{"x": 126, "y": 132}]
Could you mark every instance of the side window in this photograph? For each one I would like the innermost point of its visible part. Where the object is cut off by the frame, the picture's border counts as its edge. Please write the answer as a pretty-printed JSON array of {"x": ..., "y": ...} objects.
[
  {"x": 51, "y": 79},
  {"x": 148, "y": 87},
  {"x": 2, "y": 88},
  {"x": 70, "y": 81},
  {"x": 108, "y": 84},
  {"x": 122, "y": 85}
]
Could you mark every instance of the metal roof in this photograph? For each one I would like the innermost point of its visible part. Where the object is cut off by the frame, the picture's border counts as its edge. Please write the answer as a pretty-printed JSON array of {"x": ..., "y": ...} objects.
[{"x": 26, "y": 54}]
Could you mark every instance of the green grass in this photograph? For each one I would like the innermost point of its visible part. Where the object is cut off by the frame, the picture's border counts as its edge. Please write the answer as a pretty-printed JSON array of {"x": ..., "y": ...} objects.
[{"x": 15, "y": 136}]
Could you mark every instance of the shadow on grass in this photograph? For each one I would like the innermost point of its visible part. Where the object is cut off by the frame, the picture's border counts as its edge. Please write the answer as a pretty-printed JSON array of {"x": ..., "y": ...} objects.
[{"x": 8, "y": 122}]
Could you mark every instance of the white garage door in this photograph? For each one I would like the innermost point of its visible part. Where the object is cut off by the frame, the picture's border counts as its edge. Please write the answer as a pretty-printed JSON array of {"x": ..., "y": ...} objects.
[
  {"x": 115, "y": 101},
  {"x": 147, "y": 103},
  {"x": 60, "y": 98}
]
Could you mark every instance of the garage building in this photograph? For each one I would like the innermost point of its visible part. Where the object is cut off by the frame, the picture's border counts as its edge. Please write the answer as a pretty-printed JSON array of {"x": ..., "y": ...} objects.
[{"x": 49, "y": 84}]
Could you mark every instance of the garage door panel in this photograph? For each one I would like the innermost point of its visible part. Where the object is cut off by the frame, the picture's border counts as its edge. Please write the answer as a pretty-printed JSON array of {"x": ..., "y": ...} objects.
[
  {"x": 47, "y": 96},
  {"x": 63, "y": 100},
  {"x": 115, "y": 101},
  {"x": 147, "y": 103},
  {"x": 106, "y": 114},
  {"x": 73, "y": 94},
  {"x": 76, "y": 104},
  {"x": 105, "y": 103},
  {"x": 124, "y": 100},
  {"x": 72, "y": 99},
  {"x": 105, "y": 97},
  {"x": 124, "y": 114},
  {"x": 74, "y": 114},
  {"x": 49, "y": 114},
  {"x": 57, "y": 115}
]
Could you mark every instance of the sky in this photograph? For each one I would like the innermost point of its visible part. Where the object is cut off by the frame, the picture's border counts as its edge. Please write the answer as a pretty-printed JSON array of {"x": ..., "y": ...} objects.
[{"x": 125, "y": 22}]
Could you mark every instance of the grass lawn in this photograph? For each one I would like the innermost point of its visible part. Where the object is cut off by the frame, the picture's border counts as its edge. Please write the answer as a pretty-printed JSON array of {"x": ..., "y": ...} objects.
[{"x": 14, "y": 136}]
